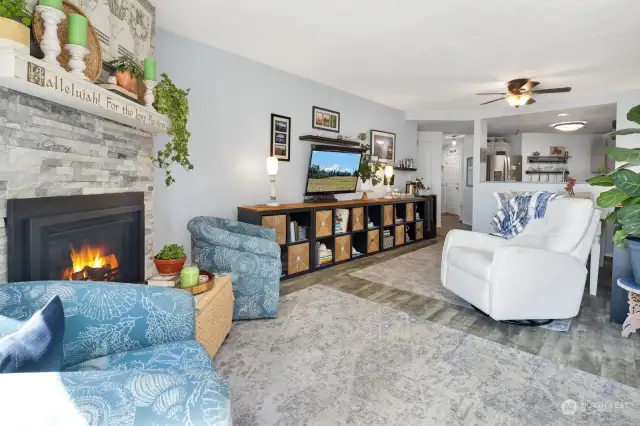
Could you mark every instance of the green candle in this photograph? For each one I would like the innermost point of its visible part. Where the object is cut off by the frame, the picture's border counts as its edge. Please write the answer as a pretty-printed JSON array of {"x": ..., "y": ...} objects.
[
  {"x": 189, "y": 276},
  {"x": 150, "y": 69},
  {"x": 78, "y": 25},
  {"x": 56, "y": 4}
]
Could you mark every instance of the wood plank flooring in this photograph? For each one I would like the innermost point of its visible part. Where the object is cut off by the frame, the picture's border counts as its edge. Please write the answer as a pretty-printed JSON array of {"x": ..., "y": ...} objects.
[{"x": 593, "y": 344}]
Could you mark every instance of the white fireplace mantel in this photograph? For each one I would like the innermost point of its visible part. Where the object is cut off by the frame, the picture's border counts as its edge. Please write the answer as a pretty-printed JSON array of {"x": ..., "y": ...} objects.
[{"x": 26, "y": 74}]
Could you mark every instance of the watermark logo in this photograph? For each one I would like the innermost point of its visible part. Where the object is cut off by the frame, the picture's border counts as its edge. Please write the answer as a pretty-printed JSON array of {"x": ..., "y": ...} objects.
[{"x": 569, "y": 407}]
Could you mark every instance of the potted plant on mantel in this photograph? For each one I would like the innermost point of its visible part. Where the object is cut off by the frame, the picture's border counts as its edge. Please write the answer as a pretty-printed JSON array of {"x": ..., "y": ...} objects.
[
  {"x": 127, "y": 73},
  {"x": 625, "y": 197},
  {"x": 15, "y": 22},
  {"x": 170, "y": 259}
]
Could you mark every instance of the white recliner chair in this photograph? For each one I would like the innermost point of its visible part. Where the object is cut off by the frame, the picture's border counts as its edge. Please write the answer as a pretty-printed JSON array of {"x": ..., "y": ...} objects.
[{"x": 538, "y": 275}]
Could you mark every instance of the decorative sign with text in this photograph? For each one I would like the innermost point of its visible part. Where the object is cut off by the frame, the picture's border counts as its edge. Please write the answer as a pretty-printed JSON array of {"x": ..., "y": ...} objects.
[{"x": 60, "y": 82}]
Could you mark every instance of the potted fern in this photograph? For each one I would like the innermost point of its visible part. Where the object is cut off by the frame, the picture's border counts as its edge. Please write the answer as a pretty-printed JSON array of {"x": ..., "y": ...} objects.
[
  {"x": 15, "y": 22},
  {"x": 127, "y": 73},
  {"x": 624, "y": 197},
  {"x": 170, "y": 259}
]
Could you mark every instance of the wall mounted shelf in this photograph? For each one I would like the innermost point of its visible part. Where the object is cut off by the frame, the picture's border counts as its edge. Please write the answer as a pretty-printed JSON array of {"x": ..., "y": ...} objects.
[
  {"x": 405, "y": 169},
  {"x": 550, "y": 172},
  {"x": 548, "y": 159},
  {"x": 330, "y": 141}
]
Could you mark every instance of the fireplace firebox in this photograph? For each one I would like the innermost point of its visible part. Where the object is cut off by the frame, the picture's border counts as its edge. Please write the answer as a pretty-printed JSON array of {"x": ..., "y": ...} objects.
[{"x": 80, "y": 238}]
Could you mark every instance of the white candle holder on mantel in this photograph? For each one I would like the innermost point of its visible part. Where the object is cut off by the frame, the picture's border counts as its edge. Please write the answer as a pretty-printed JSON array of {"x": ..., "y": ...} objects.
[
  {"x": 76, "y": 63},
  {"x": 149, "y": 97},
  {"x": 50, "y": 44}
]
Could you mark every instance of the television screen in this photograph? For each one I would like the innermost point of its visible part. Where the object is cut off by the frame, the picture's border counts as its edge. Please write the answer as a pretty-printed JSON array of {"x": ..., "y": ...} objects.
[{"x": 333, "y": 171}]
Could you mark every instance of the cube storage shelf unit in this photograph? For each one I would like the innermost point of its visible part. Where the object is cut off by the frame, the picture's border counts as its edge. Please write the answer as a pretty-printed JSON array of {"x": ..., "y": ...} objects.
[{"x": 409, "y": 220}]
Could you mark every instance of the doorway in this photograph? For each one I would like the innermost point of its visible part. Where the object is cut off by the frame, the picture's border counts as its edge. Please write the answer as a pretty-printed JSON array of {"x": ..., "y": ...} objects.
[{"x": 451, "y": 182}]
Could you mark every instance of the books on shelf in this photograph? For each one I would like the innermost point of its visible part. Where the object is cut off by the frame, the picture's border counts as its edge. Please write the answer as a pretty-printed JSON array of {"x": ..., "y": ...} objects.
[
  {"x": 342, "y": 219},
  {"x": 297, "y": 232},
  {"x": 325, "y": 255},
  {"x": 170, "y": 280}
]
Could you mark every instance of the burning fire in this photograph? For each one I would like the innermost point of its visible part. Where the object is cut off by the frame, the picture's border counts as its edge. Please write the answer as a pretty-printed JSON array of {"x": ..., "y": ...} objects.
[{"x": 89, "y": 257}]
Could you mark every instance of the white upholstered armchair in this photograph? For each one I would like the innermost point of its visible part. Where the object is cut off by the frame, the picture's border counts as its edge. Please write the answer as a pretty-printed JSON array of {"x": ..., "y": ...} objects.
[{"x": 538, "y": 275}]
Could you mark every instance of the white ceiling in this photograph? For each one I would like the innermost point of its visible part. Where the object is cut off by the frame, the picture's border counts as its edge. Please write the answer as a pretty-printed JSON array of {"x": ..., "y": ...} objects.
[
  {"x": 426, "y": 54},
  {"x": 599, "y": 119}
]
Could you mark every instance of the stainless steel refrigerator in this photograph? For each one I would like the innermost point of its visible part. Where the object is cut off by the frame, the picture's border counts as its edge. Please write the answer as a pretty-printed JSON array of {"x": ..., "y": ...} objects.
[{"x": 504, "y": 168}]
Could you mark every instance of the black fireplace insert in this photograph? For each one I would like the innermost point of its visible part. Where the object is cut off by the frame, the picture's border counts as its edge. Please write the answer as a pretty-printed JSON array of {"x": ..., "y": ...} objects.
[{"x": 80, "y": 238}]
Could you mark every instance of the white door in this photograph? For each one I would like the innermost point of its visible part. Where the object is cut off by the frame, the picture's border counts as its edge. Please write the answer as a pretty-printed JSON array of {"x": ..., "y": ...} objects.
[{"x": 452, "y": 183}]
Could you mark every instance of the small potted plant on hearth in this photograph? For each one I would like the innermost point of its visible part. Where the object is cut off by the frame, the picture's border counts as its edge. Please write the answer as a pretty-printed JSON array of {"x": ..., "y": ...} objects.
[{"x": 170, "y": 259}]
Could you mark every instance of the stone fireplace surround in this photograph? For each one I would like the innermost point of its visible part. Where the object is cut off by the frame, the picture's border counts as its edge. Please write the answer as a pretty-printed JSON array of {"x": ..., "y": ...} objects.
[{"x": 49, "y": 150}]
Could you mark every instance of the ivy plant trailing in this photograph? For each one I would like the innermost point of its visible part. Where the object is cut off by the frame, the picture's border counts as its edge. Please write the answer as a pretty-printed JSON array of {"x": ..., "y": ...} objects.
[
  {"x": 625, "y": 197},
  {"x": 172, "y": 102}
]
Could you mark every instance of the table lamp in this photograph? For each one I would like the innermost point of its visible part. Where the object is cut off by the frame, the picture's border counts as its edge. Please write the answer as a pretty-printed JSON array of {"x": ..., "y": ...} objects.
[
  {"x": 388, "y": 173},
  {"x": 272, "y": 171}
]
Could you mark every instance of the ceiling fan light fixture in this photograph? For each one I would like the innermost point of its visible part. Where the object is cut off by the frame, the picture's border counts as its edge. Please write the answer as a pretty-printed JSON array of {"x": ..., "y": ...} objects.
[
  {"x": 518, "y": 100},
  {"x": 569, "y": 126}
]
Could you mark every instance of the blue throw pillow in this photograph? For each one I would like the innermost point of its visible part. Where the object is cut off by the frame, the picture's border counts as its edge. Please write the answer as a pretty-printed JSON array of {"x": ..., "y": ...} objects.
[{"x": 37, "y": 345}]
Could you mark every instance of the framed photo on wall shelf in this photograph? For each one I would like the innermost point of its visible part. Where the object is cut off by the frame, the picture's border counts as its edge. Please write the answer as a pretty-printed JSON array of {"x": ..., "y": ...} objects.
[
  {"x": 383, "y": 146},
  {"x": 325, "y": 119},
  {"x": 280, "y": 145}
]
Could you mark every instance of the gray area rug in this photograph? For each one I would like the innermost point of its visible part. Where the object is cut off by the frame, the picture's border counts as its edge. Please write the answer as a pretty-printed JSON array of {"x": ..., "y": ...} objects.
[
  {"x": 331, "y": 358},
  {"x": 419, "y": 272}
]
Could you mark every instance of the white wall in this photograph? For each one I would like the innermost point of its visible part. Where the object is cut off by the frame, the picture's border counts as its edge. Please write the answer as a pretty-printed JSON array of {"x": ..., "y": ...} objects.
[
  {"x": 430, "y": 164},
  {"x": 231, "y": 100},
  {"x": 579, "y": 147}
]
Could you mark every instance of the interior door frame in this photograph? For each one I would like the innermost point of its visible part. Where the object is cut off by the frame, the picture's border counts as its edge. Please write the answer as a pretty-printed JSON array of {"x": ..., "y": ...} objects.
[{"x": 458, "y": 155}]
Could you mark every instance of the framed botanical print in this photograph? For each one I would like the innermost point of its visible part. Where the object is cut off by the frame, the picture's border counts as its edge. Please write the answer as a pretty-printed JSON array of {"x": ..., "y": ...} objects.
[
  {"x": 383, "y": 146},
  {"x": 325, "y": 119},
  {"x": 280, "y": 137}
]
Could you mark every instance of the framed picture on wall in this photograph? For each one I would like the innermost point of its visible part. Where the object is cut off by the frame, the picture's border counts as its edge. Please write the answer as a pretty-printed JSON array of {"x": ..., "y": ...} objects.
[
  {"x": 469, "y": 171},
  {"x": 383, "y": 146},
  {"x": 325, "y": 119},
  {"x": 280, "y": 137}
]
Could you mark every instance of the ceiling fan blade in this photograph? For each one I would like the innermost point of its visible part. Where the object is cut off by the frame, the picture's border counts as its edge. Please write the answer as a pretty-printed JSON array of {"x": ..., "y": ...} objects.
[
  {"x": 490, "y": 102},
  {"x": 557, "y": 90},
  {"x": 531, "y": 101},
  {"x": 529, "y": 86},
  {"x": 490, "y": 93}
]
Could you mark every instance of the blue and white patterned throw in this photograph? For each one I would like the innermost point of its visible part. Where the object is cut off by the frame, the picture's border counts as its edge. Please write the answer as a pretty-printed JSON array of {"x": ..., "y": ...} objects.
[{"x": 516, "y": 213}]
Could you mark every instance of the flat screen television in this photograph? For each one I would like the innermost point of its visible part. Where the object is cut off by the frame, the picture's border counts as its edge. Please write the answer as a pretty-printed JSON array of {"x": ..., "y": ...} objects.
[{"x": 333, "y": 171}]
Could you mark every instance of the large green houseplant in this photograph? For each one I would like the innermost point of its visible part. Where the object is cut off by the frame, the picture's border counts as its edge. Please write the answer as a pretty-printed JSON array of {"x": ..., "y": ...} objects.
[
  {"x": 368, "y": 169},
  {"x": 624, "y": 197},
  {"x": 173, "y": 102}
]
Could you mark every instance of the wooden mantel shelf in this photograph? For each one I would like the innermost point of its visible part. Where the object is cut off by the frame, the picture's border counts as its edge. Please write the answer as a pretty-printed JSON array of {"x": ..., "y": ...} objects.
[{"x": 26, "y": 74}]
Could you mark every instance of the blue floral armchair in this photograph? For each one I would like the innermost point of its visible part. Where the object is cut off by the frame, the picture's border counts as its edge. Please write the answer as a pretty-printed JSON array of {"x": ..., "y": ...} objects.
[
  {"x": 130, "y": 358},
  {"x": 247, "y": 251}
]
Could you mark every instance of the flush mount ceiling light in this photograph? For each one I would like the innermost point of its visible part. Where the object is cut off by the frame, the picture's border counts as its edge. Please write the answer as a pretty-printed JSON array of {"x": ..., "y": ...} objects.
[
  {"x": 563, "y": 114},
  {"x": 454, "y": 142},
  {"x": 569, "y": 126}
]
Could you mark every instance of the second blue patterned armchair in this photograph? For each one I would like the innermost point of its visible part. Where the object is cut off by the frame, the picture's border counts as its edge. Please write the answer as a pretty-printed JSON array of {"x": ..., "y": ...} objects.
[{"x": 250, "y": 253}]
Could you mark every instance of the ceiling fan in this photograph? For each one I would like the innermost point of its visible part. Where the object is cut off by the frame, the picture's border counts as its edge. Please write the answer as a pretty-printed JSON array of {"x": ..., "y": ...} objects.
[{"x": 521, "y": 91}]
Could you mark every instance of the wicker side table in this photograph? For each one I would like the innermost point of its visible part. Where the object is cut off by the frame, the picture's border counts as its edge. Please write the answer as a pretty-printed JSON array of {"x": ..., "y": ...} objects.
[{"x": 214, "y": 313}]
